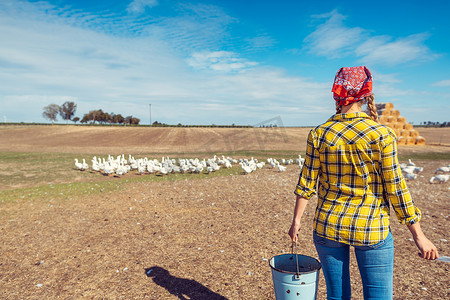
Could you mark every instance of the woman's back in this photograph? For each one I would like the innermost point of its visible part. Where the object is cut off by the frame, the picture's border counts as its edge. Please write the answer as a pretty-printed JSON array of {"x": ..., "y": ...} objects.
[
  {"x": 351, "y": 163},
  {"x": 347, "y": 155}
]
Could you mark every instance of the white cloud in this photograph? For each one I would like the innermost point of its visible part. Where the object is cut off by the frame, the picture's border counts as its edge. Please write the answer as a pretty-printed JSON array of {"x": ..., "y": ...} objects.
[
  {"x": 197, "y": 28},
  {"x": 260, "y": 42},
  {"x": 122, "y": 63},
  {"x": 219, "y": 61},
  {"x": 385, "y": 78},
  {"x": 444, "y": 83},
  {"x": 139, "y": 6},
  {"x": 333, "y": 39},
  {"x": 402, "y": 50},
  {"x": 50, "y": 58}
]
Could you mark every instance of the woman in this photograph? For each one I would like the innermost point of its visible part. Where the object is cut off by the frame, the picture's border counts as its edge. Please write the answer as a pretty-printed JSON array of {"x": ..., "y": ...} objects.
[{"x": 355, "y": 161}]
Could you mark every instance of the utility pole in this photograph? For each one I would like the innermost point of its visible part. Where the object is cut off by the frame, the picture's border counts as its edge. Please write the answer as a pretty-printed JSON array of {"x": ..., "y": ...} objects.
[{"x": 150, "y": 107}]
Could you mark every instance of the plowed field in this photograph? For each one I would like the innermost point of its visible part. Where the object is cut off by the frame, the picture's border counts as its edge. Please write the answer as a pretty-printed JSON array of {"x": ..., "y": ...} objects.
[{"x": 207, "y": 238}]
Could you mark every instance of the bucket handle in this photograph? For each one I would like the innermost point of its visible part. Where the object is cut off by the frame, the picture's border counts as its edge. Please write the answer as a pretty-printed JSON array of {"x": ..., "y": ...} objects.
[{"x": 294, "y": 245}]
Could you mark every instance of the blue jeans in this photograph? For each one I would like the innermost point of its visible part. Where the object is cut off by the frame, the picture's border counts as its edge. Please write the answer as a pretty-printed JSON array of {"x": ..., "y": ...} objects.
[{"x": 375, "y": 263}]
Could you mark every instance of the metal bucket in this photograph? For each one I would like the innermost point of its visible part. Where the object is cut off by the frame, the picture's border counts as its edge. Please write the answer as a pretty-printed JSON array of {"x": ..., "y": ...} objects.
[{"x": 295, "y": 276}]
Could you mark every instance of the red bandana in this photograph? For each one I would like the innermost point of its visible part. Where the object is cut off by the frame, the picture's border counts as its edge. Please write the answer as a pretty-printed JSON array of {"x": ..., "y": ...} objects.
[{"x": 352, "y": 84}]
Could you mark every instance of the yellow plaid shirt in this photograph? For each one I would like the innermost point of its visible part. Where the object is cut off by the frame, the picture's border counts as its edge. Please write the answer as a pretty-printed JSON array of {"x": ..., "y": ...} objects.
[{"x": 355, "y": 162}]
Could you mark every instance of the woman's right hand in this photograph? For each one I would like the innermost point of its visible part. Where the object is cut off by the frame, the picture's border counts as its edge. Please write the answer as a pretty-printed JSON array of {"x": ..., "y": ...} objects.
[{"x": 300, "y": 205}]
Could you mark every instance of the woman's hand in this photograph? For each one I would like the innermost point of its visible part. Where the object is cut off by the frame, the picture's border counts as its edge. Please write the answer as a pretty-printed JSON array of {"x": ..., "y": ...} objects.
[
  {"x": 300, "y": 205},
  {"x": 426, "y": 247},
  {"x": 293, "y": 231}
]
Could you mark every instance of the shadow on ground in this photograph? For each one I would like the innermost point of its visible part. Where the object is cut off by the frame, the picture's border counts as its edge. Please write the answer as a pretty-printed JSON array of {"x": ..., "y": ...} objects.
[{"x": 181, "y": 287}]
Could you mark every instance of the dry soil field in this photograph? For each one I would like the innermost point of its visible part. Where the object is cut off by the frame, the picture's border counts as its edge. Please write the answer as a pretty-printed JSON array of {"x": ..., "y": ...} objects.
[
  {"x": 134, "y": 140},
  {"x": 207, "y": 238}
]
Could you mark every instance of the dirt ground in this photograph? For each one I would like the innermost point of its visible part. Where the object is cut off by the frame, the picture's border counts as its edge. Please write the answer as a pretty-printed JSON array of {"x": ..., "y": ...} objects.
[
  {"x": 135, "y": 140},
  {"x": 188, "y": 239}
]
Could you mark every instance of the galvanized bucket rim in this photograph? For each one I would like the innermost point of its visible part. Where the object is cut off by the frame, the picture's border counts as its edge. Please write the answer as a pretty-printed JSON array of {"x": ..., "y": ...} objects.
[{"x": 295, "y": 273}]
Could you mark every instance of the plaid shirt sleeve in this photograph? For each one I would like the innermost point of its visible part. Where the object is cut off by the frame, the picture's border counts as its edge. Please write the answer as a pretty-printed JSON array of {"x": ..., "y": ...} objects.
[
  {"x": 306, "y": 186},
  {"x": 395, "y": 186}
]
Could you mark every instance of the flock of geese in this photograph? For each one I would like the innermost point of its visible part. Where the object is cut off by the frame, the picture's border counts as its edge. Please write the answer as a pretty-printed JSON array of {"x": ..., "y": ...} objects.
[
  {"x": 120, "y": 165},
  {"x": 410, "y": 171}
]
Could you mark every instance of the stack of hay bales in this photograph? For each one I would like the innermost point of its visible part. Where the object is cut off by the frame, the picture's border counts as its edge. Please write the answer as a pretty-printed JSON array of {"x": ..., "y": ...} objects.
[{"x": 406, "y": 134}]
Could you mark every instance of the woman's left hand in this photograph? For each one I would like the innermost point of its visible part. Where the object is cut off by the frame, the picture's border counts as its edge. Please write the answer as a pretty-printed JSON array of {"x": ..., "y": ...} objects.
[
  {"x": 293, "y": 231},
  {"x": 426, "y": 247}
]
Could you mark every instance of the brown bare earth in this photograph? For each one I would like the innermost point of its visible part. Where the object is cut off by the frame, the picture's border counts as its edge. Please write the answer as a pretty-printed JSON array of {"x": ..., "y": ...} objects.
[
  {"x": 201, "y": 238},
  {"x": 134, "y": 140}
]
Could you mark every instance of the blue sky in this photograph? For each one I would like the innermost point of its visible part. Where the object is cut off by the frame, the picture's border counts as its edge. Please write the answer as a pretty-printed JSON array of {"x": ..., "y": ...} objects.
[{"x": 220, "y": 62}]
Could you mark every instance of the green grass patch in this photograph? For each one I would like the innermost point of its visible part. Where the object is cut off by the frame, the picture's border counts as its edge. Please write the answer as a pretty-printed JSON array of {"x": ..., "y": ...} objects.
[
  {"x": 46, "y": 176},
  {"x": 68, "y": 191},
  {"x": 33, "y": 169},
  {"x": 425, "y": 156},
  {"x": 22, "y": 169},
  {"x": 62, "y": 191}
]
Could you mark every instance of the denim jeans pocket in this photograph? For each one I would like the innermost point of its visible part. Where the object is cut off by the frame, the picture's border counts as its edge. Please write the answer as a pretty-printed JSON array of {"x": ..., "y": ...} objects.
[
  {"x": 321, "y": 241},
  {"x": 386, "y": 241},
  {"x": 377, "y": 245},
  {"x": 318, "y": 240}
]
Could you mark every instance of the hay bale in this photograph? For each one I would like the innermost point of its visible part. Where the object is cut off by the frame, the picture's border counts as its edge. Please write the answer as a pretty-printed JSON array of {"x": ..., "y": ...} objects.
[
  {"x": 383, "y": 112},
  {"x": 387, "y": 106},
  {"x": 392, "y": 119},
  {"x": 397, "y": 125},
  {"x": 413, "y": 133},
  {"x": 397, "y": 132},
  {"x": 404, "y": 133},
  {"x": 395, "y": 113},
  {"x": 401, "y": 119},
  {"x": 408, "y": 126},
  {"x": 410, "y": 141},
  {"x": 383, "y": 120},
  {"x": 420, "y": 140},
  {"x": 401, "y": 140}
]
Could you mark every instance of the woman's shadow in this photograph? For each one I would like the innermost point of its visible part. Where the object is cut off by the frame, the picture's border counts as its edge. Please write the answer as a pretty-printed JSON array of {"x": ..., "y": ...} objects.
[{"x": 181, "y": 287}]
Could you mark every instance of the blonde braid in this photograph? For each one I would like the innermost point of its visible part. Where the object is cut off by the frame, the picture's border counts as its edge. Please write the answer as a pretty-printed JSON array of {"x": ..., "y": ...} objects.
[
  {"x": 338, "y": 107},
  {"x": 372, "y": 109}
]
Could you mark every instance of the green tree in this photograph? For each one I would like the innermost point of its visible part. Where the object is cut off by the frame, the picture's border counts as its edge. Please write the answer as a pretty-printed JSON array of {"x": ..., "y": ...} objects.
[
  {"x": 85, "y": 119},
  {"x": 135, "y": 121},
  {"x": 51, "y": 112},
  {"x": 128, "y": 120},
  {"x": 96, "y": 115},
  {"x": 76, "y": 119},
  {"x": 118, "y": 119},
  {"x": 67, "y": 110},
  {"x": 107, "y": 118}
]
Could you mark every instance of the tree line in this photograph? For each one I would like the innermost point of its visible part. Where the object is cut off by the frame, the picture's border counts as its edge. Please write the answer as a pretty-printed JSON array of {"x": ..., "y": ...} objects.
[
  {"x": 68, "y": 109},
  {"x": 435, "y": 124}
]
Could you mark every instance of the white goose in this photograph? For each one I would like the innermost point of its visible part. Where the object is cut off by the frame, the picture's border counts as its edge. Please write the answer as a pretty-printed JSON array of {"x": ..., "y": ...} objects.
[
  {"x": 85, "y": 165},
  {"x": 411, "y": 176},
  {"x": 107, "y": 169},
  {"x": 78, "y": 165},
  {"x": 121, "y": 169},
  {"x": 281, "y": 168},
  {"x": 245, "y": 168},
  {"x": 440, "y": 178},
  {"x": 163, "y": 171},
  {"x": 442, "y": 169},
  {"x": 141, "y": 168}
]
